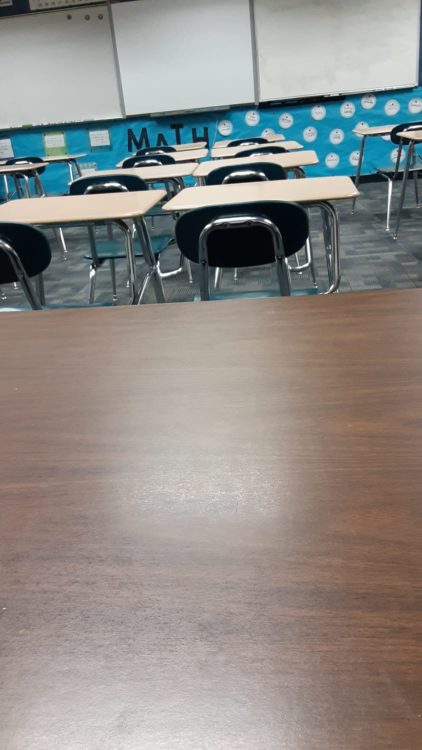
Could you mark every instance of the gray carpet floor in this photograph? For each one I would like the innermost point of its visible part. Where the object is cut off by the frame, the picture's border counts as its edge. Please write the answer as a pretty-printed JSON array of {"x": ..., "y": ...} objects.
[{"x": 370, "y": 259}]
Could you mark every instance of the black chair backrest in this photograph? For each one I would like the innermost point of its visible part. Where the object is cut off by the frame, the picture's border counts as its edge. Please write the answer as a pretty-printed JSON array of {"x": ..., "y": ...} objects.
[
  {"x": 247, "y": 141},
  {"x": 403, "y": 126},
  {"x": 155, "y": 150},
  {"x": 30, "y": 245},
  {"x": 107, "y": 183},
  {"x": 263, "y": 150},
  {"x": 243, "y": 246},
  {"x": 26, "y": 160},
  {"x": 147, "y": 161},
  {"x": 246, "y": 173}
]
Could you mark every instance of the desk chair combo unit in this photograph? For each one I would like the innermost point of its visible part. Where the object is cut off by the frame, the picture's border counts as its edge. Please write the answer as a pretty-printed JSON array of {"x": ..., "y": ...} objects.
[
  {"x": 110, "y": 249},
  {"x": 242, "y": 235},
  {"x": 395, "y": 171},
  {"x": 22, "y": 177},
  {"x": 258, "y": 172}
]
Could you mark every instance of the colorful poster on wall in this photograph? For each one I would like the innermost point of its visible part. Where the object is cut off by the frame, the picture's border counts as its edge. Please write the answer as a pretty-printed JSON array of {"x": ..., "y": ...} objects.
[{"x": 55, "y": 144}]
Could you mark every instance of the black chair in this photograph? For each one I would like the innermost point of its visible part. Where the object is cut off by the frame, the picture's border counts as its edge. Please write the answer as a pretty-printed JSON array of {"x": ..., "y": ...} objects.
[
  {"x": 247, "y": 141},
  {"x": 153, "y": 160},
  {"x": 102, "y": 250},
  {"x": 257, "y": 171},
  {"x": 22, "y": 179},
  {"x": 24, "y": 253},
  {"x": 263, "y": 150},
  {"x": 393, "y": 171},
  {"x": 243, "y": 235},
  {"x": 155, "y": 150}
]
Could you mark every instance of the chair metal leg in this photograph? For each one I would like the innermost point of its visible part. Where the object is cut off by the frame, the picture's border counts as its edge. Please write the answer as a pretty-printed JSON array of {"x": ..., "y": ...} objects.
[
  {"x": 149, "y": 259},
  {"x": 409, "y": 158},
  {"x": 235, "y": 275},
  {"x": 310, "y": 260},
  {"x": 416, "y": 186},
  {"x": 283, "y": 275},
  {"x": 92, "y": 281},
  {"x": 189, "y": 270},
  {"x": 39, "y": 281},
  {"x": 218, "y": 275},
  {"x": 332, "y": 240},
  {"x": 389, "y": 199},
  {"x": 60, "y": 239},
  {"x": 359, "y": 169},
  {"x": 113, "y": 279}
]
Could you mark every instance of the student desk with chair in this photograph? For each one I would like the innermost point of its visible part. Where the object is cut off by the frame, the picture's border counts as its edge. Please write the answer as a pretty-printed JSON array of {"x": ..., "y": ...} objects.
[
  {"x": 290, "y": 161},
  {"x": 88, "y": 210},
  {"x": 179, "y": 156},
  {"x": 376, "y": 131},
  {"x": 309, "y": 191},
  {"x": 414, "y": 137},
  {"x": 167, "y": 173},
  {"x": 170, "y": 579},
  {"x": 268, "y": 138},
  {"x": 232, "y": 151}
]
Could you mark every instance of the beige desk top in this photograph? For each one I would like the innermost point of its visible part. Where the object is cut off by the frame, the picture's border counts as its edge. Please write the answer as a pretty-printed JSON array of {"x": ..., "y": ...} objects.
[
  {"x": 190, "y": 146},
  {"x": 376, "y": 130},
  {"x": 64, "y": 158},
  {"x": 308, "y": 190},
  {"x": 27, "y": 167},
  {"x": 268, "y": 138},
  {"x": 188, "y": 155},
  {"x": 74, "y": 209},
  {"x": 291, "y": 160},
  {"x": 411, "y": 135},
  {"x": 230, "y": 151},
  {"x": 167, "y": 171}
]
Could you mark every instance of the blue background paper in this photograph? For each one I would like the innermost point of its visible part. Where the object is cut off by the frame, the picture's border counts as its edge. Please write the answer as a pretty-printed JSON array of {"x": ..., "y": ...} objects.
[{"x": 326, "y": 126}]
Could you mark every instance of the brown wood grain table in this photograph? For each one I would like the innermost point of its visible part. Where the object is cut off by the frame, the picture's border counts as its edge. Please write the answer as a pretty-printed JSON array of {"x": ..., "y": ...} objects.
[{"x": 210, "y": 526}]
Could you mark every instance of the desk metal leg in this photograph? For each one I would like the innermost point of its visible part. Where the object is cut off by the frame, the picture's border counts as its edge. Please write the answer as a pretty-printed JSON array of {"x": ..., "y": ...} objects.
[
  {"x": 153, "y": 273},
  {"x": 332, "y": 244},
  {"x": 359, "y": 168},
  {"x": 130, "y": 254},
  {"x": 409, "y": 158}
]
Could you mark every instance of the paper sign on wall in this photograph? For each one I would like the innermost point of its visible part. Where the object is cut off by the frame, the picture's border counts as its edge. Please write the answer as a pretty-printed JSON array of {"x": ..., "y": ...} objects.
[
  {"x": 99, "y": 139},
  {"x": 55, "y": 144},
  {"x": 6, "y": 149}
]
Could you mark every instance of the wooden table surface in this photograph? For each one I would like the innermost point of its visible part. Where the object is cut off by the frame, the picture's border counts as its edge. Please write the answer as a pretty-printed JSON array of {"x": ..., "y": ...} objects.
[
  {"x": 305, "y": 190},
  {"x": 411, "y": 135},
  {"x": 374, "y": 130},
  {"x": 183, "y": 169},
  {"x": 269, "y": 139},
  {"x": 288, "y": 161},
  {"x": 63, "y": 158},
  {"x": 68, "y": 209},
  {"x": 210, "y": 526},
  {"x": 24, "y": 167},
  {"x": 194, "y": 154}
]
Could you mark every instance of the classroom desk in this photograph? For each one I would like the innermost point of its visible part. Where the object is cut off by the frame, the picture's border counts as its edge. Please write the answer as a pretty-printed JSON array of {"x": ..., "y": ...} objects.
[
  {"x": 189, "y": 146},
  {"x": 293, "y": 160},
  {"x": 231, "y": 151},
  {"x": 211, "y": 526},
  {"x": 30, "y": 169},
  {"x": 112, "y": 208},
  {"x": 268, "y": 138},
  {"x": 311, "y": 191},
  {"x": 368, "y": 132},
  {"x": 414, "y": 137},
  {"x": 70, "y": 159},
  {"x": 179, "y": 156},
  {"x": 172, "y": 173}
]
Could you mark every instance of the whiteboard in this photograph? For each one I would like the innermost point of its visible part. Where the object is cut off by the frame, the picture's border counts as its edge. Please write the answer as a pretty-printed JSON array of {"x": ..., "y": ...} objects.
[
  {"x": 318, "y": 47},
  {"x": 183, "y": 54},
  {"x": 57, "y": 69}
]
